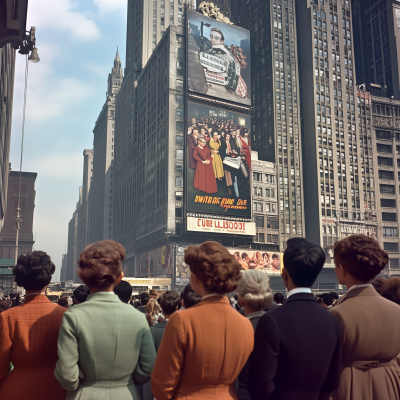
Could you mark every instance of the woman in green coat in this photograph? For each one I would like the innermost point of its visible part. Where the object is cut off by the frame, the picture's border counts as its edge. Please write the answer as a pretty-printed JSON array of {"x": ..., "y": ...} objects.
[{"x": 105, "y": 347}]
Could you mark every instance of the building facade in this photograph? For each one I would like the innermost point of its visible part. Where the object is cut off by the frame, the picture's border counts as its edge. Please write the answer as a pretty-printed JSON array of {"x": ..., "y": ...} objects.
[
  {"x": 265, "y": 207},
  {"x": 27, "y": 206},
  {"x": 101, "y": 189},
  {"x": 147, "y": 21},
  {"x": 63, "y": 271},
  {"x": 71, "y": 271},
  {"x": 376, "y": 27},
  {"x": 276, "y": 125},
  {"x": 385, "y": 118}
]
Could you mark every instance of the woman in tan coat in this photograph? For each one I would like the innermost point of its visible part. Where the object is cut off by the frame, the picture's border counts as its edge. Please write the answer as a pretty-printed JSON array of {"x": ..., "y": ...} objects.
[
  {"x": 205, "y": 347},
  {"x": 370, "y": 324}
]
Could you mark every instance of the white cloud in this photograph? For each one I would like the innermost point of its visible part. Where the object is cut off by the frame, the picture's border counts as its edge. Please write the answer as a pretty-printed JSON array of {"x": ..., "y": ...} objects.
[
  {"x": 97, "y": 69},
  {"x": 62, "y": 16},
  {"x": 107, "y": 6}
]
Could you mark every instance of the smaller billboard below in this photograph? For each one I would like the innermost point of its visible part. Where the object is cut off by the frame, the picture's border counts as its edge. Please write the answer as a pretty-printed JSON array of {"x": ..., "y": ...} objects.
[
  {"x": 221, "y": 226},
  {"x": 267, "y": 261}
]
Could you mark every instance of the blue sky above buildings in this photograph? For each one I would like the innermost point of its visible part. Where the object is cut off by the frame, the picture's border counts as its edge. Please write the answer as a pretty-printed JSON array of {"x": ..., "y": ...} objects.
[{"x": 76, "y": 42}]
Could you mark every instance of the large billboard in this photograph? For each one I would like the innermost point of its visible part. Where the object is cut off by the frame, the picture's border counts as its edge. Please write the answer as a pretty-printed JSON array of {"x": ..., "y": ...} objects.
[
  {"x": 218, "y": 59},
  {"x": 156, "y": 263},
  {"x": 218, "y": 165}
]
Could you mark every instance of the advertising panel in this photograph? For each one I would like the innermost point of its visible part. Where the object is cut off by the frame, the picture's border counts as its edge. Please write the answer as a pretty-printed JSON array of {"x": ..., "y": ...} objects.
[
  {"x": 218, "y": 59},
  {"x": 158, "y": 261},
  {"x": 218, "y": 162},
  {"x": 182, "y": 277},
  {"x": 220, "y": 226},
  {"x": 267, "y": 261}
]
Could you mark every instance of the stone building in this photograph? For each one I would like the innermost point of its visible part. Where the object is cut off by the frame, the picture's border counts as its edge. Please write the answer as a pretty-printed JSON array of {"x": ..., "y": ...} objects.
[
  {"x": 265, "y": 207},
  {"x": 101, "y": 190},
  {"x": 72, "y": 249},
  {"x": 276, "y": 125},
  {"x": 384, "y": 114},
  {"x": 27, "y": 207}
]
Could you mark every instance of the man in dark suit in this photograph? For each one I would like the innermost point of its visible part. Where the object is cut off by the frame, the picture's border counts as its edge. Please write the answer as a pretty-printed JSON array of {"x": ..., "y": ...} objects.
[
  {"x": 192, "y": 143},
  {"x": 298, "y": 346},
  {"x": 144, "y": 299},
  {"x": 170, "y": 302}
]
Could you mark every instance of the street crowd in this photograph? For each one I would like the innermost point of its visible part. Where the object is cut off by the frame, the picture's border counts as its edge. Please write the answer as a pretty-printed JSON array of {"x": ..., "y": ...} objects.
[{"x": 226, "y": 336}]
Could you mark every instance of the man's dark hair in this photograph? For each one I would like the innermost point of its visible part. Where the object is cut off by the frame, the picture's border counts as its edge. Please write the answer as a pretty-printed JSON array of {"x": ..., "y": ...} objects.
[
  {"x": 278, "y": 298},
  {"x": 275, "y": 256},
  {"x": 334, "y": 295},
  {"x": 169, "y": 302},
  {"x": 244, "y": 255},
  {"x": 124, "y": 291},
  {"x": 13, "y": 295},
  {"x": 144, "y": 298},
  {"x": 81, "y": 293},
  {"x": 327, "y": 299},
  {"x": 34, "y": 270},
  {"x": 190, "y": 298},
  {"x": 303, "y": 261}
]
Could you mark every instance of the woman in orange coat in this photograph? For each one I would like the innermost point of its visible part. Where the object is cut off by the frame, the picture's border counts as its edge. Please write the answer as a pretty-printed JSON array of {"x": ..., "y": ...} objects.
[
  {"x": 205, "y": 347},
  {"x": 29, "y": 333}
]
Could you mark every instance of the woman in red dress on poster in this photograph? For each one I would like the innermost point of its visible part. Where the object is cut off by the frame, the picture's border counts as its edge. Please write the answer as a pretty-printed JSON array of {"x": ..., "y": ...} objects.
[
  {"x": 246, "y": 148},
  {"x": 204, "y": 177}
]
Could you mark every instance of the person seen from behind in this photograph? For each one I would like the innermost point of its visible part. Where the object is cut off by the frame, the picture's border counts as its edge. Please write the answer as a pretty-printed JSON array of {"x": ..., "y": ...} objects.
[
  {"x": 327, "y": 300},
  {"x": 124, "y": 291},
  {"x": 370, "y": 324},
  {"x": 254, "y": 295},
  {"x": 28, "y": 335},
  {"x": 153, "y": 312},
  {"x": 81, "y": 293},
  {"x": 144, "y": 299},
  {"x": 291, "y": 340},
  {"x": 105, "y": 348},
  {"x": 279, "y": 298},
  {"x": 205, "y": 347},
  {"x": 189, "y": 297}
]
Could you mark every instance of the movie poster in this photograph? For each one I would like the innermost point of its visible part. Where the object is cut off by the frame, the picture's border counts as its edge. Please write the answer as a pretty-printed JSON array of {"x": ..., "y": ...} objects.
[
  {"x": 218, "y": 163},
  {"x": 158, "y": 261},
  {"x": 218, "y": 59},
  {"x": 267, "y": 261},
  {"x": 182, "y": 277}
]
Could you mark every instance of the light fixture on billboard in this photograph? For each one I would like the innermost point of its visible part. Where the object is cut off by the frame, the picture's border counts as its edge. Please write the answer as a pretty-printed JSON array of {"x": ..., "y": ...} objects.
[{"x": 242, "y": 121}]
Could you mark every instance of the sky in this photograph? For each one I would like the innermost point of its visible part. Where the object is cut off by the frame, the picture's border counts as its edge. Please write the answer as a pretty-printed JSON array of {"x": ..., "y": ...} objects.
[{"x": 77, "y": 43}]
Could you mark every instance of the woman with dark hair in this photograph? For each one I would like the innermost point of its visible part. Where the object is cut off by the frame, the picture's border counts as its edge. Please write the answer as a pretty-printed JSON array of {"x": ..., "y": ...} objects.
[
  {"x": 28, "y": 335},
  {"x": 205, "y": 347},
  {"x": 105, "y": 347},
  {"x": 370, "y": 324}
]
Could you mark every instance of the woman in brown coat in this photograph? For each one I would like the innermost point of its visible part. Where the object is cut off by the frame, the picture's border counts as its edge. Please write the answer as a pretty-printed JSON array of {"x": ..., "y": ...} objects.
[
  {"x": 205, "y": 347},
  {"x": 370, "y": 324}
]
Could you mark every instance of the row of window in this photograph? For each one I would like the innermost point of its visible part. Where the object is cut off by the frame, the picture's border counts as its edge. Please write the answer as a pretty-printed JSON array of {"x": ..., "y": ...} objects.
[
  {"x": 257, "y": 191},
  {"x": 261, "y": 207}
]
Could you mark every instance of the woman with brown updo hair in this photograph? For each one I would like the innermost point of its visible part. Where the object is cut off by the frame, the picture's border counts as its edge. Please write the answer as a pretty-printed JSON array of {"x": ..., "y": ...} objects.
[
  {"x": 370, "y": 324},
  {"x": 205, "y": 347},
  {"x": 105, "y": 347}
]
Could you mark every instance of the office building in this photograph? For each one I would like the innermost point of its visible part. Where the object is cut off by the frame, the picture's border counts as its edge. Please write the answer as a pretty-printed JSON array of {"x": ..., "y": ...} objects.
[
  {"x": 26, "y": 192},
  {"x": 376, "y": 28},
  {"x": 63, "y": 267},
  {"x": 385, "y": 139},
  {"x": 337, "y": 157},
  {"x": 147, "y": 21},
  {"x": 101, "y": 188},
  {"x": 72, "y": 249},
  {"x": 265, "y": 209},
  {"x": 276, "y": 130},
  {"x": 83, "y": 206}
]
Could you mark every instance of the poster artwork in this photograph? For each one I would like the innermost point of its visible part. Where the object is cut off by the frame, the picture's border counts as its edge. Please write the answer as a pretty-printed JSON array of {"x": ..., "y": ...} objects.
[
  {"x": 218, "y": 165},
  {"x": 219, "y": 59},
  {"x": 267, "y": 261}
]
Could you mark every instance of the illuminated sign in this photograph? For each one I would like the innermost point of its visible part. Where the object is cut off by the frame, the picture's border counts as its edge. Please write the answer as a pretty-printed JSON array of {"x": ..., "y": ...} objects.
[{"x": 221, "y": 226}]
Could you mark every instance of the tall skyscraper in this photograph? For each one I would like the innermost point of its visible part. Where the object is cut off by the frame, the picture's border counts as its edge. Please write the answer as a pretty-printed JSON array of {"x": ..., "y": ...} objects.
[
  {"x": 146, "y": 24},
  {"x": 376, "y": 27},
  {"x": 101, "y": 189},
  {"x": 276, "y": 126},
  {"x": 337, "y": 149}
]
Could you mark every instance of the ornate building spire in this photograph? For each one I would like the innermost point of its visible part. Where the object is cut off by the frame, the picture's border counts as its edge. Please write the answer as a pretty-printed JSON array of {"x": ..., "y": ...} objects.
[{"x": 115, "y": 78}]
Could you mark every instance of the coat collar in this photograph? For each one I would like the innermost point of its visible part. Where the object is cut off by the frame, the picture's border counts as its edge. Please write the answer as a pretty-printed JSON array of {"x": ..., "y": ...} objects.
[
  {"x": 301, "y": 296},
  {"x": 361, "y": 291},
  {"x": 104, "y": 296},
  {"x": 36, "y": 298},
  {"x": 214, "y": 299}
]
